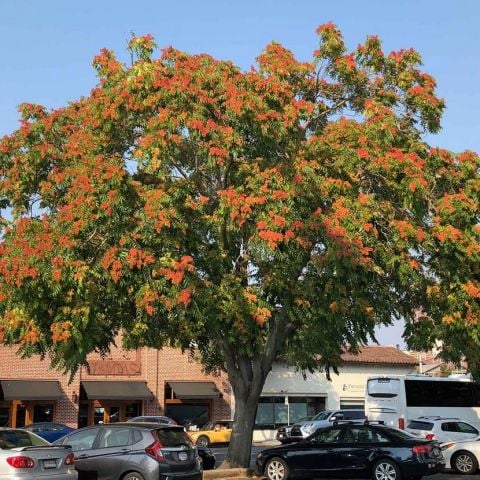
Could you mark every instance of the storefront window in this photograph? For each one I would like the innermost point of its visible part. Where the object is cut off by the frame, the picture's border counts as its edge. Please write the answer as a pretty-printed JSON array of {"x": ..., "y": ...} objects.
[
  {"x": 191, "y": 416},
  {"x": 114, "y": 414},
  {"x": 83, "y": 416},
  {"x": 351, "y": 403},
  {"x": 21, "y": 413},
  {"x": 301, "y": 407},
  {"x": 98, "y": 415},
  {"x": 43, "y": 413},
  {"x": 4, "y": 416},
  {"x": 274, "y": 412},
  {"x": 131, "y": 411}
]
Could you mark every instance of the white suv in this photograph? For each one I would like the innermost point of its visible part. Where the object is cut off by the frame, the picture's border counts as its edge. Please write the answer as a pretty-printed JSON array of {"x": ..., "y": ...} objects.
[
  {"x": 323, "y": 419},
  {"x": 442, "y": 429}
]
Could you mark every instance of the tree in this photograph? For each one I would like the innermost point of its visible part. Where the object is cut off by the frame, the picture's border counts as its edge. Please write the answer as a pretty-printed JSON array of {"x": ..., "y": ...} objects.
[{"x": 282, "y": 212}]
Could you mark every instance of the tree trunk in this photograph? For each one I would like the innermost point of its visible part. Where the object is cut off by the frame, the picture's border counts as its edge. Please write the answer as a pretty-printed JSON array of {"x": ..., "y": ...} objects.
[{"x": 239, "y": 450}]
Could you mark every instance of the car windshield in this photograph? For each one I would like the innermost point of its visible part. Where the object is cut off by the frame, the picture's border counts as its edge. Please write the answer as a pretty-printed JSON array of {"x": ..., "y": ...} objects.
[
  {"x": 19, "y": 438},
  {"x": 208, "y": 426},
  {"x": 322, "y": 415}
]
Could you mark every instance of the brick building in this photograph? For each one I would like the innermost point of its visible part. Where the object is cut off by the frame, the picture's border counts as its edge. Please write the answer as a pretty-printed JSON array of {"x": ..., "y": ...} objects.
[
  {"x": 168, "y": 382},
  {"x": 121, "y": 386}
]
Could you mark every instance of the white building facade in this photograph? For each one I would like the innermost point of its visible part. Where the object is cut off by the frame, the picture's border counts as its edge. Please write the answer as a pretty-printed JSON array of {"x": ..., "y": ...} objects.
[{"x": 289, "y": 396}]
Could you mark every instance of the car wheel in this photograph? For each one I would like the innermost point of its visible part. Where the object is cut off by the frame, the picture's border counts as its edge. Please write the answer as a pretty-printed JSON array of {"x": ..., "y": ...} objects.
[
  {"x": 133, "y": 476},
  {"x": 386, "y": 470},
  {"x": 465, "y": 463},
  {"x": 203, "y": 441},
  {"x": 276, "y": 469}
]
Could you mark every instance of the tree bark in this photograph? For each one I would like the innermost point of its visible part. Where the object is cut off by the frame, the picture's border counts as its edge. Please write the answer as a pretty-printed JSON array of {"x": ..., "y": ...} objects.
[
  {"x": 238, "y": 454},
  {"x": 247, "y": 377}
]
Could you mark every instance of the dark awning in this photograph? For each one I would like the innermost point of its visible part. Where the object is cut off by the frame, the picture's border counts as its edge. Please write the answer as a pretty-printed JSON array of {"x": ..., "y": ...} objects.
[
  {"x": 31, "y": 390},
  {"x": 194, "y": 390},
  {"x": 117, "y": 390}
]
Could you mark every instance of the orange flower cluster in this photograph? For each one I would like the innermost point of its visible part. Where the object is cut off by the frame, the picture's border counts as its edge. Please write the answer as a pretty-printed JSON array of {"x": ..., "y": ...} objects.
[
  {"x": 138, "y": 258},
  {"x": 448, "y": 233},
  {"x": 177, "y": 273},
  {"x": 147, "y": 301},
  {"x": 241, "y": 204},
  {"x": 185, "y": 297},
  {"x": 471, "y": 289},
  {"x": 61, "y": 331},
  {"x": 261, "y": 315},
  {"x": 111, "y": 263}
]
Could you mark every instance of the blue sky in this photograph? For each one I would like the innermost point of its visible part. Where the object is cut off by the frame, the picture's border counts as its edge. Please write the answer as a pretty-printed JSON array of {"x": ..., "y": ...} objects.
[{"x": 46, "y": 46}]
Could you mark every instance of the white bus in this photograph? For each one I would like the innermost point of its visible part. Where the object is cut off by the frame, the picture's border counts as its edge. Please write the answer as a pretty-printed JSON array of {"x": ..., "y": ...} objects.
[{"x": 398, "y": 399}]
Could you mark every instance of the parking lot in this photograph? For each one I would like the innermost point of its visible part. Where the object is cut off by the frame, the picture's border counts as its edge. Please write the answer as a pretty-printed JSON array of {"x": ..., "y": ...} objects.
[{"x": 220, "y": 453}]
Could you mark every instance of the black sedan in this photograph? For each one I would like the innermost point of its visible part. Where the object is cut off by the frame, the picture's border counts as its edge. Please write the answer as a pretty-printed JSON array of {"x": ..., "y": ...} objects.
[
  {"x": 208, "y": 458},
  {"x": 353, "y": 450}
]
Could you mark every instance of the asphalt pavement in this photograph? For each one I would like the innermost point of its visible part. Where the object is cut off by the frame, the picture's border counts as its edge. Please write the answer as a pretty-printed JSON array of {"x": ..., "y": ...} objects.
[{"x": 220, "y": 453}]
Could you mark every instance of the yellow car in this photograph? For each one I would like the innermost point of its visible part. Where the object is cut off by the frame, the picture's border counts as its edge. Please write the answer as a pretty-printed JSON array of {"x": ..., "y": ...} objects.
[{"x": 219, "y": 431}]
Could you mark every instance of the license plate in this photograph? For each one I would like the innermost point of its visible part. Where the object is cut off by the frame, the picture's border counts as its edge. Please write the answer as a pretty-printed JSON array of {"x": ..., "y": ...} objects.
[
  {"x": 49, "y": 464},
  {"x": 183, "y": 456}
]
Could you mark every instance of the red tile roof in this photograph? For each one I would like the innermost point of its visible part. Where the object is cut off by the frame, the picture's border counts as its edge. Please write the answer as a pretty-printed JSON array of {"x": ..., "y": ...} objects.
[{"x": 380, "y": 355}]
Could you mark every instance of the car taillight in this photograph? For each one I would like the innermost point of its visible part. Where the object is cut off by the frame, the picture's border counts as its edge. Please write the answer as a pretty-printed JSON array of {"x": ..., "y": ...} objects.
[
  {"x": 70, "y": 459},
  {"x": 430, "y": 436},
  {"x": 401, "y": 423},
  {"x": 421, "y": 449},
  {"x": 155, "y": 449},
  {"x": 20, "y": 462}
]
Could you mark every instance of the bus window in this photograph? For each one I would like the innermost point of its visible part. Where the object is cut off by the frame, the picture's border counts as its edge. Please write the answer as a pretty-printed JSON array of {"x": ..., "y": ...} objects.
[{"x": 383, "y": 387}]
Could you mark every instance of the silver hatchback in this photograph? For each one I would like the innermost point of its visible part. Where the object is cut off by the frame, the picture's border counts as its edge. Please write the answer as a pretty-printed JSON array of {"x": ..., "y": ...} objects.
[
  {"x": 134, "y": 451},
  {"x": 26, "y": 456}
]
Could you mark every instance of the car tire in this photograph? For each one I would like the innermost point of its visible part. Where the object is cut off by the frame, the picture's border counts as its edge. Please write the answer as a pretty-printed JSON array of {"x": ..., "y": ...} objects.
[
  {"x": 465, "y": 463},
  {"x": 203, "y": 441},
  {"x": 386, "y": 469},
  {"x": 133, "y": 476},
  {"x": 276, "y": 469}
]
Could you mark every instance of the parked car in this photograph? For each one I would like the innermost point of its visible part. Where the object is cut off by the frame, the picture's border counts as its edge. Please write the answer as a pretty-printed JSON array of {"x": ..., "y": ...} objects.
[
  {"x": 208, "y": 458},
  {"x": 442, "y": 429},
  {"x": 49, "y": 431},
  {"x": 27, "y": 456},
  {"x": 153, "y": 419},
  {"x": 283, "y": 433},
  {"x": 134, "y": 451},
  {"x": 347, "y": 449},
  {"x": 462, "y": 456},
  {"x": 218, "y": 431},
  {"x": 323, "y": 419}
]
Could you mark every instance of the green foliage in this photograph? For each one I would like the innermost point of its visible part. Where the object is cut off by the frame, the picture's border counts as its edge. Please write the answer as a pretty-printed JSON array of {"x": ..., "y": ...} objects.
[{"x": 287, "y": 210}]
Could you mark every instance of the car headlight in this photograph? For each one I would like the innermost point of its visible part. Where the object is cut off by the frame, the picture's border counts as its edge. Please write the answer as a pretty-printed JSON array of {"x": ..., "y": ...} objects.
[
  {"x": 308, "y": 427},
  {"x": 447, "y": 445}
]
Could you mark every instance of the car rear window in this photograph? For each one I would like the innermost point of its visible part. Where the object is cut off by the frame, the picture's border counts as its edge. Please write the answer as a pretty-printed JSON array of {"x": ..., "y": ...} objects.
[
  {"x": 173, "y": 437},
  {"x": 397, "y": 434},
  {"x": 417, "y": 425},
  {"x": 19, "y": 438}
]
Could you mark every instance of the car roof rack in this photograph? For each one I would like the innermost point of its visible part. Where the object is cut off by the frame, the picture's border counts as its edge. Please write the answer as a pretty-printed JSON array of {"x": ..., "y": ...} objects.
[{"x": 436, "y": 417}]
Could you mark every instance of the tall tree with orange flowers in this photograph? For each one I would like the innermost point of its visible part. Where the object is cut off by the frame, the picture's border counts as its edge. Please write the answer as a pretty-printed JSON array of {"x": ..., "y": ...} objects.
[{"x": 282, "y": 212}]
